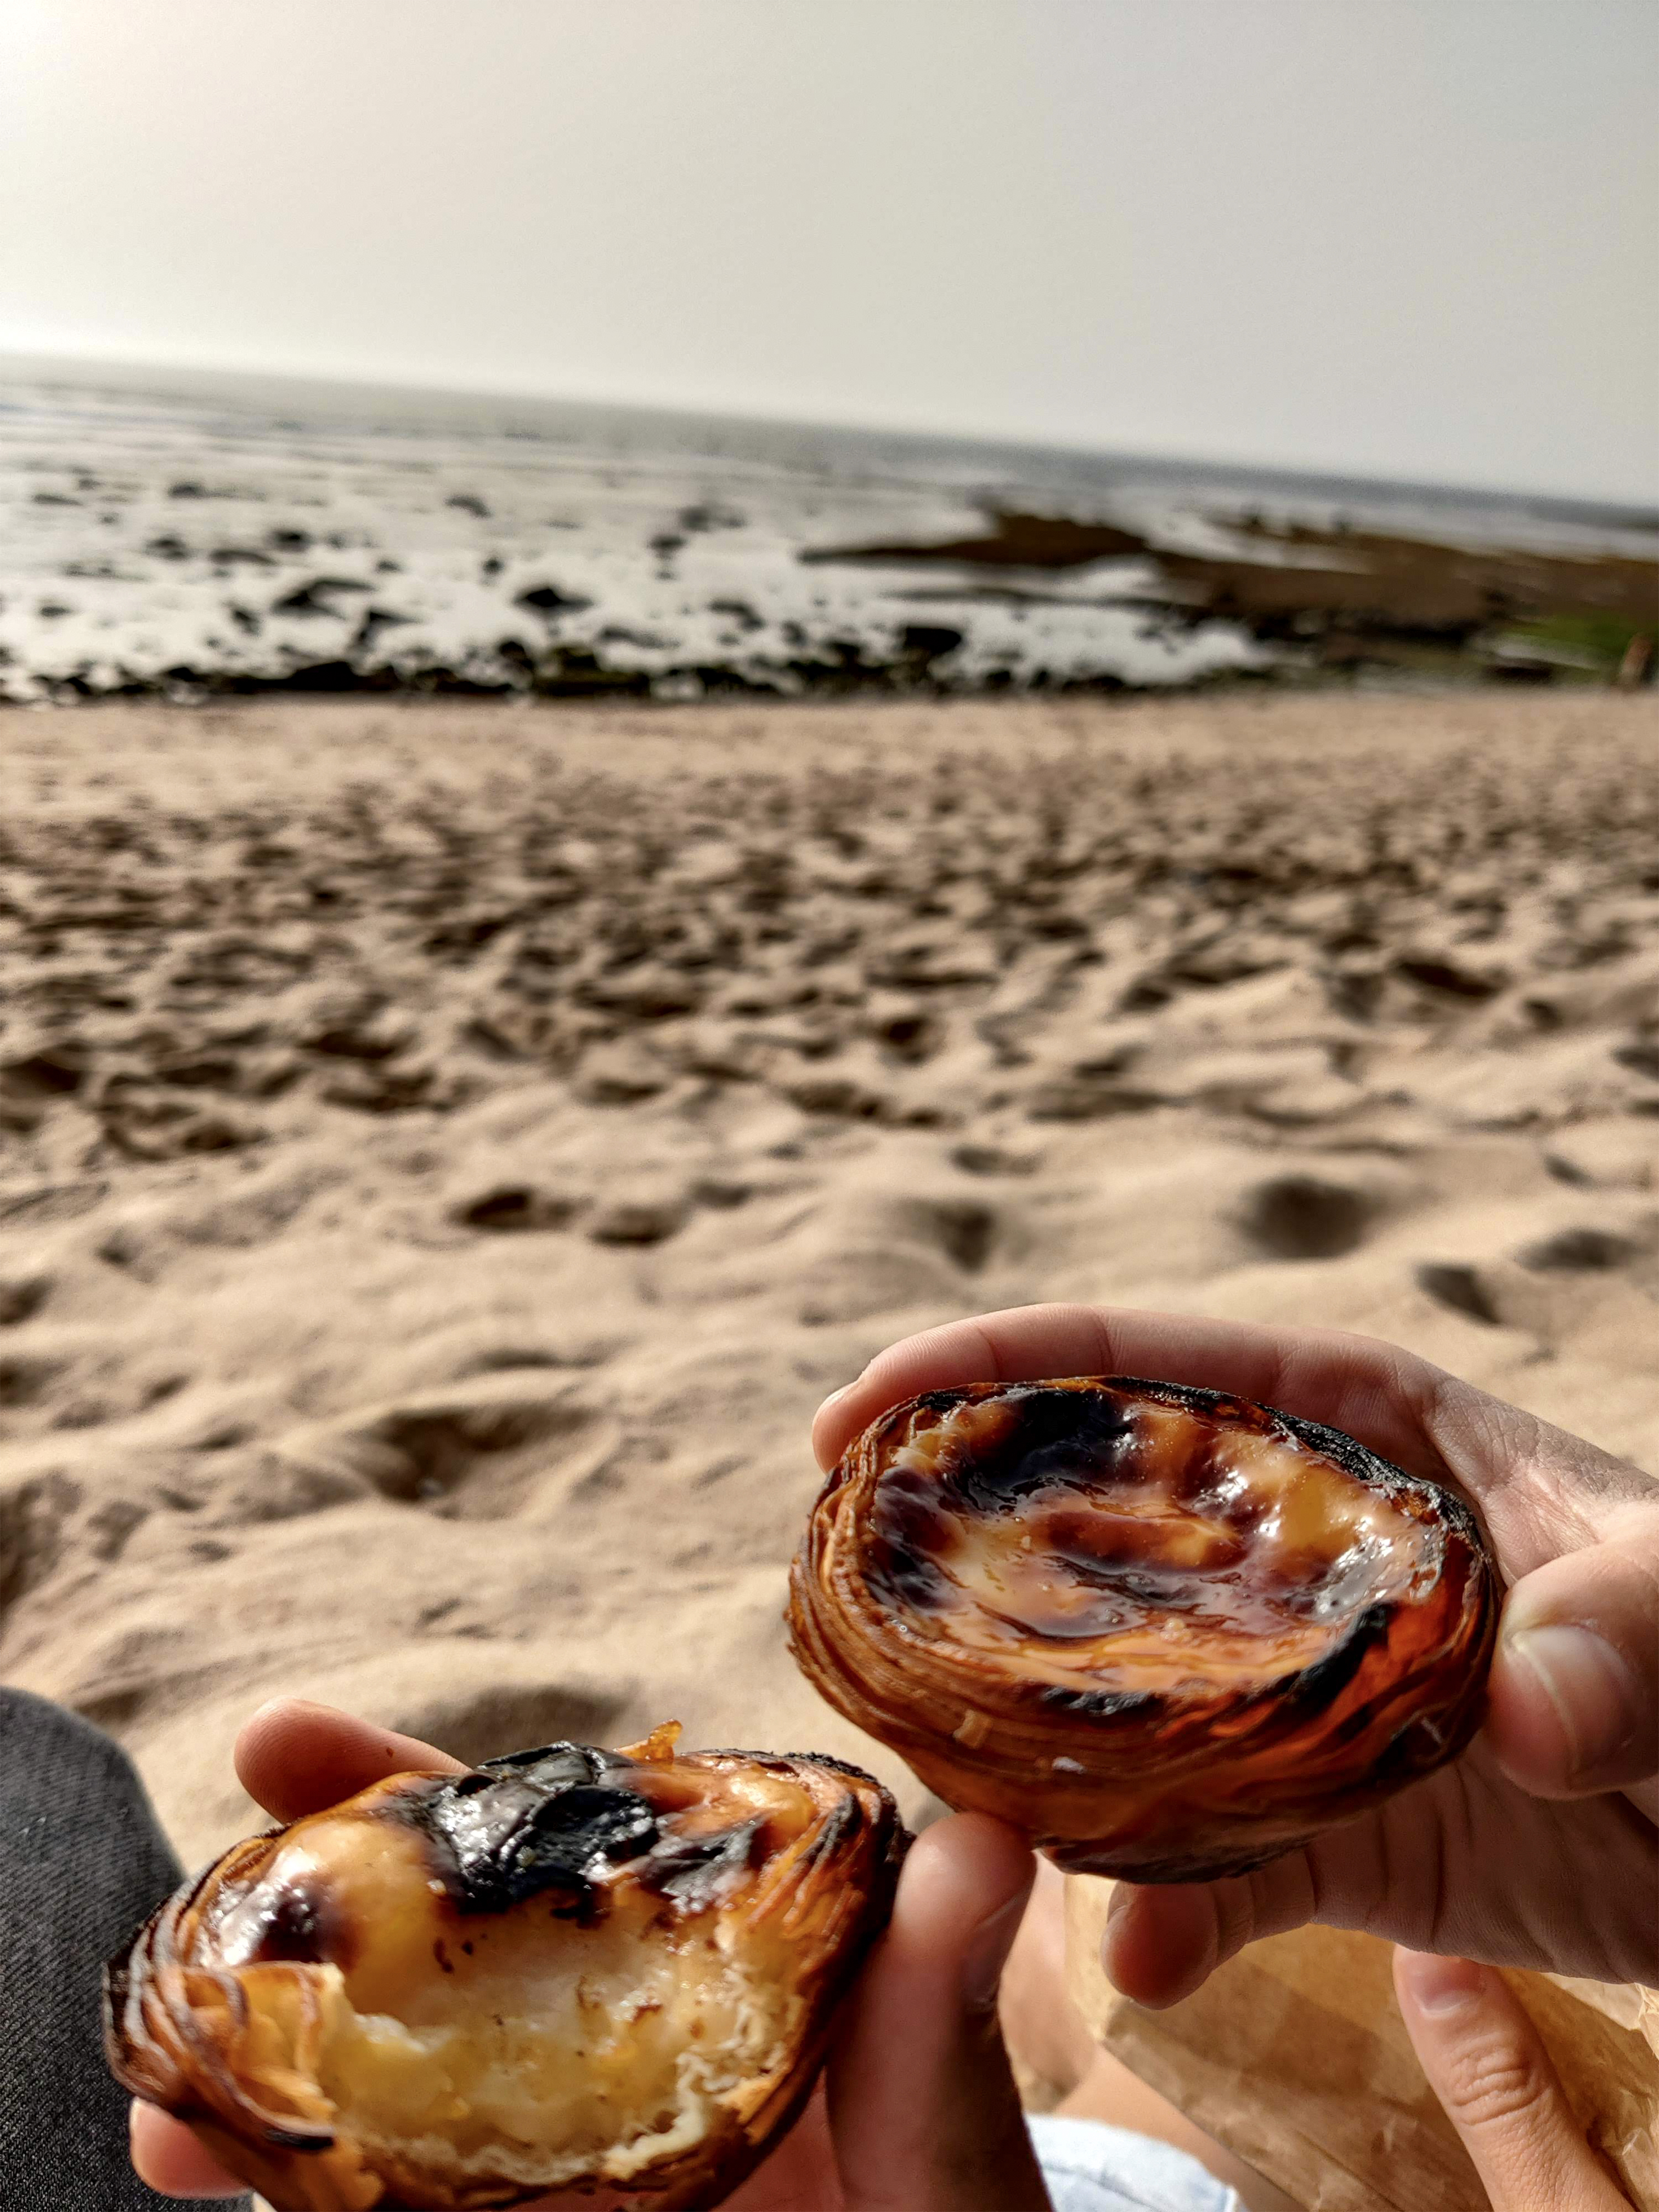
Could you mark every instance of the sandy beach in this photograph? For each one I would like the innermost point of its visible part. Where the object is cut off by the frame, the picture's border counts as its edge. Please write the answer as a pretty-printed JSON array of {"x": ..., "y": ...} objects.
[{"x": 448, "y": 1149}]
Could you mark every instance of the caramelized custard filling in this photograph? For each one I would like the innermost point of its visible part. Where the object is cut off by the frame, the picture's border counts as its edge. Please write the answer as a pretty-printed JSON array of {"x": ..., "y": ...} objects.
[
  {"x": 1137, "y": 1541},
  {"x": 589, "y": 2020}
]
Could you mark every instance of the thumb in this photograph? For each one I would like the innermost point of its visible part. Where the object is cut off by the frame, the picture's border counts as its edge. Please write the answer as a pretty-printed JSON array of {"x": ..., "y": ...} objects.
[
  {"x": 1493, "y": 2074},
  {"x": 1573, "y": 1699},
  {"x": 175, "y": 2162},
  {"x": 922, "y": 2102}
]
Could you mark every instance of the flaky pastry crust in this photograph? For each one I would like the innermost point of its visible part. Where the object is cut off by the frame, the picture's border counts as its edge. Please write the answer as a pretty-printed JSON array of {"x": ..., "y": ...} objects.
[
  {"x": 609, "y": 1976},
  {"x": 1168, "y": 1633}
]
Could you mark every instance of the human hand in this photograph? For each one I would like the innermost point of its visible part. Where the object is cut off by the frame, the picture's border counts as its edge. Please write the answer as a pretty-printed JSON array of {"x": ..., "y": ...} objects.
[
  {"x": 1537, "y": 1848},
  {"x": 917, "y": 2106},
  {"x": 293, "y": 1758},
  {"x": 1493, "y": 2076}
]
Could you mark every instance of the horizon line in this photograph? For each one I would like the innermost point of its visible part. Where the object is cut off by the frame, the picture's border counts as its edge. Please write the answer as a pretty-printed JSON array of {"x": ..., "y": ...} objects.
[{"x": 84, "y": 368}]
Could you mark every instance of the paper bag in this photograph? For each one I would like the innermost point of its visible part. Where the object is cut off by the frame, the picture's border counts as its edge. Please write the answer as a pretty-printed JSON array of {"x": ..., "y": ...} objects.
[{"x": 1294, "y": 2056}]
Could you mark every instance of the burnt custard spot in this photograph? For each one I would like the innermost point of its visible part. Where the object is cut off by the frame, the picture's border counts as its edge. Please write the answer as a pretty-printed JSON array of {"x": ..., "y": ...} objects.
[
  {"x": 550, "y": 1823},
  {"x": 1049, "y": 1437},
  {"x": 908, "y": 1532},
  {"x": 697, "y": 1871},
  {"x": 1073, "y": 1516},
  {"x": 301, "y": 1922},
  {"x": 1002, "y": 1458}
]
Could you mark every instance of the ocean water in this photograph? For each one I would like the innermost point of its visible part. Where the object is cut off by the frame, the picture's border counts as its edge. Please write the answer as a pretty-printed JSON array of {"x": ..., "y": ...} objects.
[{"x": 160, "y": 531}]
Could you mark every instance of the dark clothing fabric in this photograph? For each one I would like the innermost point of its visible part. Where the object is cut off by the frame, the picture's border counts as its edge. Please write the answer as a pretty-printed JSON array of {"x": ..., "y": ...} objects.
[{"x": 82, "y": 1861}]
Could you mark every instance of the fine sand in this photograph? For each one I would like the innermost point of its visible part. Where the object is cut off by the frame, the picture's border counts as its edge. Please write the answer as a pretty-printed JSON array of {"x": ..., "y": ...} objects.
[{"x": 446, "y": 1152}]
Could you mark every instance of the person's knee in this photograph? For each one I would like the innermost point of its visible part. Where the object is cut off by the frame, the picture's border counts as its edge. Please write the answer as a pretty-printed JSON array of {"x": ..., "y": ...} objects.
[
  {"x": 32, "y": 1726},
  {"x": 52, "y": 1758}
]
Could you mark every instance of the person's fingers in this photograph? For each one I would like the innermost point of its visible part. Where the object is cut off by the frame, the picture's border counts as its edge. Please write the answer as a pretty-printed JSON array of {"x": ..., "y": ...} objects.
[
  {"x": 294, "y": 1757},
  {"x": 1164, "y": 1943},
  {"x": 1489, "y": 2070},
  {"x": 1373, "y": 1390},
  {"x": 166, "y": 2155},
  {"x": 799, "y": 2175},
  {"x": 1573, "y": 1701},
  {"x": 1461, "y": 1862},
  {"x": 1046, "y": 2034},
  {"x": 922, "y": 2104}
]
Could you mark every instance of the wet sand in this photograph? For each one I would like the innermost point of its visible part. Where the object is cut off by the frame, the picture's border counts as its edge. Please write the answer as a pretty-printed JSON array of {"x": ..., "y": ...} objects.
[{"x": 191, "y": 537}]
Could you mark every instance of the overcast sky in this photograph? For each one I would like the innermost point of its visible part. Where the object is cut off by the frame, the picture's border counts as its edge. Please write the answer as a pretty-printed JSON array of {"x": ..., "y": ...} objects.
[{"x": 1407, "y": 237}]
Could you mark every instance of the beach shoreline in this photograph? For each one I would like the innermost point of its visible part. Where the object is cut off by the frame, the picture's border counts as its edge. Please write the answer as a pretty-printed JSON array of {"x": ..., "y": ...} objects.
[{"x": 189, "y": 539}]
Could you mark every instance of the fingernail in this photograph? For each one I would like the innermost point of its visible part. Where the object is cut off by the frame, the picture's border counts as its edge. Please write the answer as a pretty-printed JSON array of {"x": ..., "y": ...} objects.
[
  {"x": 834, "y": 1397},
  {"x": 986, "y": 1954},
  {"x": 1595, "y": 1694},
  {"x": 1441, "y": 1985}
]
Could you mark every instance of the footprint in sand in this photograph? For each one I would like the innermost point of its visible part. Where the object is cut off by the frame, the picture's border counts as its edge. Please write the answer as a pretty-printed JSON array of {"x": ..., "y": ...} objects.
[
  {"x": 1578, "y": 1252},
  {"x": 1568, "y": 1171},
  {"x": 32, "y": 1084},
  {"x": 1459, "y": 1289},
  {"x": 721, "y": 1193},
  {"x": 1300, "y": 1217},
  {"x": 494, "y": 1359},
  {"x": 1450, "y": 980},
  {"x": 963, "y": 1229},
  {"x": 484, "y": 1724},
  {"x": 619, "y": 1075},
  {"x": 34, "y": 1517},
  {"x": 259, "y": 1210},
  {"x": 839, "y": 1098},
  {"x": 909, "y": 1037},
  {"x": 992, "y": 1160},
  {"x": 26, "y": 1378},
  {"x": 256, "y": 1489},
  {"x": 147, "y": 1124},
  {"x": 515, "y": 1206},
  {"x": 638, "y": 1221},
  {"x": 881, "y": 1251},
  {"x": 22, "y": 1297},
  {"x": 483, "y": 1452},
  {"x": 1092, "y": 1093}
]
